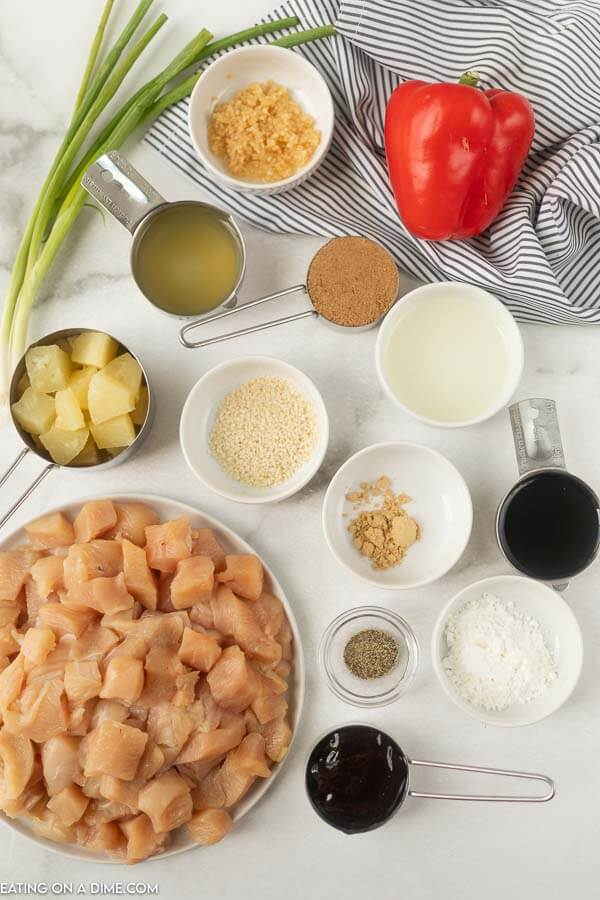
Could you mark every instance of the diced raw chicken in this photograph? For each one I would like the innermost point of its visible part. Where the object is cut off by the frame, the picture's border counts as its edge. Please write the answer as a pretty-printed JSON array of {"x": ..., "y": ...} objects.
[
  {"x": 162, "y": 667},
  {"x": 186, "y": 688},
  {"x": 9, "y": 640},
  {"x": 163, "y": 603},
  {"x": 109, "y": 710},
  {"x": 193, "y": 581},
  {"x": 60, "y": 762},
  {"x": 207, "y": 746},
  {"x": 202, "y": 614},
  {"x": 37, "y": 644},
  {"x": 169, "y": 726},
  {"x": 209, "y": 826},
  {"x": 66, "y": 619},
  {"x": 53, "y": 666},
  {"x": 167, "y": 801},
  {"x": 106, "y": 595},
  {"x": 233, "y": 683},
  {"x": 80, "y": 718},
  {"x": 83, "y": 680},
  {"x": 235, "y": 781},
  {"x": 17, "y": 755},
  {"x": 236, "y": 618},
  {"x": 159, "y": 630},
  {"x": 275, "y": 681},
  {"x": 132, "y": 520},
  {"x": 133, "y": 646},
  {"x": 210, "y": 792},
  {"x": 200, "y": 651},
  {"x": 115, "y": 749},
  {"x": 11, "y": 682},
  {"x": 119, "y": 791},
  {"x": 10, "y": 614},
  {"x": 205, "y": 713},
  {"x": 47, "y": 574},
  {"x": 101, "y": 810},
  {"x": 142, "y": 840},
  {"x": 269, "y": 612},
  {"x": 69, "y": 805},
  {"x": 140, "y": 581},
  {"x": 53, "y": 530},
  {"x": 244, "y": 575},
  {"x": 93, "y": 519},
  {"x": 283, "y": 669},
  {"x": 278, "y": 735},
  {"x": 103, "y": 836},
  {"x": 168, "y": 543},
  {"x": 205, "y": 543},
  {"x": 47, "y": 825},
  {"x": 94, "y": 643},
  {"x": 97, "y": 559},
  {"x": 268, "y": 705},
  {"x": 33, "y": 601},
  {"x": 151, "y": 762},
  {"x": 43, "y": 713},
  {"x": 123, "y": 679},
  {"x": 14, "y": 569},
  {"x": 285, "y": 640}
]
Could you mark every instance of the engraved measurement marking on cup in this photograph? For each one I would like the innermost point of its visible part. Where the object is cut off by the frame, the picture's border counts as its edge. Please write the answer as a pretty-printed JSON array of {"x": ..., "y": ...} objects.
[{"x": 536, "y": 435}]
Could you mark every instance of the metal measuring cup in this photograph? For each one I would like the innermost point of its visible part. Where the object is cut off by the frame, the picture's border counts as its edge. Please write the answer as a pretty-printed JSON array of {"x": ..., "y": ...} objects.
[
  {"x": 312, "y": 311},
  {"x": 39, "y": 451},
  {"x": 328, "y": 753},
  {"x": 538, "y": 448},
  {"x": 120, "y": 189}
]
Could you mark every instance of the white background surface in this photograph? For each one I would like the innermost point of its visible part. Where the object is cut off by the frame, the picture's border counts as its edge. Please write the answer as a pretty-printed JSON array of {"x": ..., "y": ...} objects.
[{"x": 431, "y": 849}]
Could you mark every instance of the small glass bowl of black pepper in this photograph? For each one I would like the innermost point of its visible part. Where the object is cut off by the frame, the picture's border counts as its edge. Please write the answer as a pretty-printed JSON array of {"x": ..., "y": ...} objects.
[{"x": 368, "y": 656}]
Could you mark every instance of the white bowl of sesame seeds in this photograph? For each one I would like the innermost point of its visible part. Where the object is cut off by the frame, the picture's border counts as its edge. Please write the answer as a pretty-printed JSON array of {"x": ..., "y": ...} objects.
[{"x": 254, "y": 429}]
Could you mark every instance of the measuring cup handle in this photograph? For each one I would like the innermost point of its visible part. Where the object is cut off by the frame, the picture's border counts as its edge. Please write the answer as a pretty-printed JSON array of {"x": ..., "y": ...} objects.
[
  {"x": 120, "y": 189},
  {"x": 495, "y": 798},
  {"x": 10, "y": 512},
  {"x": 536, "y": 435},
  {"x": 251, "y": 329},
  {"x": 16, "y": 462}
]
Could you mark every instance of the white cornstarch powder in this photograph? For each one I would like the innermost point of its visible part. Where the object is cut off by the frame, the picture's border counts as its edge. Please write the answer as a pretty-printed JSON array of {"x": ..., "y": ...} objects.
[
  {"x": 497, "y": 656},
  {"x": 264, "y": 431}
]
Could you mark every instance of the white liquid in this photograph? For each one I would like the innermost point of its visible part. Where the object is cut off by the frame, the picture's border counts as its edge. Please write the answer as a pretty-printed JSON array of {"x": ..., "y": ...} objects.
[{"x": 446, "y": 359}]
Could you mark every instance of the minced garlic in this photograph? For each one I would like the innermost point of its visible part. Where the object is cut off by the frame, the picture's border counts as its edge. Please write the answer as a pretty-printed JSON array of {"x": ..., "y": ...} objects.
[{"x": 262, "y": 133}]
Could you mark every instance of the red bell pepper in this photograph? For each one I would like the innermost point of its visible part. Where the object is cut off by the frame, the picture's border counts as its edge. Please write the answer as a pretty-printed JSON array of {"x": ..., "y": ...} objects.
[{"x": 454, "y": 153}]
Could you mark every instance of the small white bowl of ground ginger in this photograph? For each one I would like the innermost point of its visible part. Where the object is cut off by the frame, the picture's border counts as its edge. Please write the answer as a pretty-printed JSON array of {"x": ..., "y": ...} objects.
[
  {"x": 261, "y": 119},
  {"x": 254, "y": 429},
  {"x": 397, "y": 515}
]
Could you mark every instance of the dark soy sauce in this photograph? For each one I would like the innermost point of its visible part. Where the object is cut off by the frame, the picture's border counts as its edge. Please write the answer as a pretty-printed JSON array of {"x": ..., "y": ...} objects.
[
  {"x": 548, "y": 525},
  {"x": 356, "y": 778}
]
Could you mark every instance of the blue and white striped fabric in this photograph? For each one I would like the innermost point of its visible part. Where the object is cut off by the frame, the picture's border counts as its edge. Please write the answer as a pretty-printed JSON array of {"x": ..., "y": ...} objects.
[{"x": 542, "y": 255}]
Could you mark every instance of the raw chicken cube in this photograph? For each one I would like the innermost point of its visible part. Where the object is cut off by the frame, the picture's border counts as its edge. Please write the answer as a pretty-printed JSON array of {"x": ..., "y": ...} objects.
[
  {"x": 115, "y": 749},
  {"x": 37, "y": 644},
  {"x": 14, "y": 569},
  {"x": 244, "y": 575},
  {"x": 105, "y": 595},
  {"x": 17, "y": 756},
  {"x": 60, "y": 762},
  {"x": 204, "y": 543},
  {"x": 123, "y": 679},
  {"x": 53, "y": 530},
  {"x": 233, "y": 683},
  {"x": 142, "y": 840},
  {"x": 168, "y": 543},
  {"x": 47, "y": 574},
  {"x": 65, "y": 619},
  {"x": 167, "y": 801},
  {"x": 200, "y": 651},
  {"x": 139, "y": 580},
  {"x": 98, "y": 558},
  {"x": 193, "y": 581},
  {"x": 236, "y": 618},
  {"x": 69, "y": 805},
  {"x": 209, "y": 826},
  {"x": 83, "y": 680},
  {"x": 210, "y": 745},
  {"x": 93, "y": 519},
  {"x": 132, "y": 520}
]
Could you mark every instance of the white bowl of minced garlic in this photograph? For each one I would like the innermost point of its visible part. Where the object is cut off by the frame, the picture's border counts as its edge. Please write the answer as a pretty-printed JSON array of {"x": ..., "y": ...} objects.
[
  {"x": 261, "y": 119},
  {"x": 254, "y": 429}
]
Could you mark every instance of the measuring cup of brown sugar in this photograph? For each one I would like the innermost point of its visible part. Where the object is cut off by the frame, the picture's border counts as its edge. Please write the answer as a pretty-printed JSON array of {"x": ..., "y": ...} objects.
[
  {"x": 188, "y": 257},
  {"x": 351, "y": 284},
  {"x": 548, "y": 523}
]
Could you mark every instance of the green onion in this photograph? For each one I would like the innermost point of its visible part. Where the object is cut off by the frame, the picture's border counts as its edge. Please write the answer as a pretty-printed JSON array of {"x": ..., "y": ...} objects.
[{"x": 62, "y": 198}]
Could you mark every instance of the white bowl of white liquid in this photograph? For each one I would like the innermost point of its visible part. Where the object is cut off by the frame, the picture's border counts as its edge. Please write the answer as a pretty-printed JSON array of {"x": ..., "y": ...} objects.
[{"x": 449, "y": 354}]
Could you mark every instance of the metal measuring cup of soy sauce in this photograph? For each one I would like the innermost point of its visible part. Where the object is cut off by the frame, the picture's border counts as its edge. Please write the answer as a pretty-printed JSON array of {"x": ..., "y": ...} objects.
[
  {"x": 37, "y": 449},
  {"x": 547, "y": 524},
  {"x": 357, "y": 777},
  {"x": 130, "y": 199}
]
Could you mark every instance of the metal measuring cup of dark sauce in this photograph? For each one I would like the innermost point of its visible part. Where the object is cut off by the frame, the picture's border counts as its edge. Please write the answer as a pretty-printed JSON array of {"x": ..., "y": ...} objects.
[
  {"x": 357, "y": 777},
  {"x": 547, "y": 524},
  {"x": 31, "y": 446},
  {"x": 122, "y": 191}
]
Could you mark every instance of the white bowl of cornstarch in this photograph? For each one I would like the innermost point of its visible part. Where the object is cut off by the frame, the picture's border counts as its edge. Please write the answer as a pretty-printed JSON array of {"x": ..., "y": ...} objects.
[
  {"x": 507, "y": 650},
  {"x": 254, "y": 429}
]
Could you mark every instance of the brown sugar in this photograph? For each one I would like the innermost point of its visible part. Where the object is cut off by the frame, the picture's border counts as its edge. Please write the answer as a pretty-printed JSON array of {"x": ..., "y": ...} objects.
[
  {"x": 383, "y": 534},
  {"x": 352, "y": 281}
]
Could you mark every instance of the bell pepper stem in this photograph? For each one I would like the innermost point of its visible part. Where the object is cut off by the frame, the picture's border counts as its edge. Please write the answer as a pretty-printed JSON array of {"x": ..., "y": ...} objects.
[{"x": 470, "y": 78}]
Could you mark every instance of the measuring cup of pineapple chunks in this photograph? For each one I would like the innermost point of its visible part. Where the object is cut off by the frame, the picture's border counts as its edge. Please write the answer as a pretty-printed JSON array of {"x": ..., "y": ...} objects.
[{"x": 79, "y": 399}]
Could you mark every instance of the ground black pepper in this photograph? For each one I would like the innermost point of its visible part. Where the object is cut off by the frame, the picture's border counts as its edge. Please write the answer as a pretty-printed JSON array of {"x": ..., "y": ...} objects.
[{"x": 371, "y": 653}]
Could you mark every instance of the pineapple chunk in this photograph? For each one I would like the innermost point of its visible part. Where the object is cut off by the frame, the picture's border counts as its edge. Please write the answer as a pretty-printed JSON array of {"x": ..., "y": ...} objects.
[
  {"x": 48, "y": 368},
  {"x": 93, "y": 348},
  {"x": 138, "y": 416},
  {"x": 89, "y": 456},
  {"x": 22, "y": 384},
  {"x": 63, "y": 446},
  {"x": 35, "y": 411},
  {"x": 68, "y": 413},
  {"x": 108, "y": 397},
  {"x": 79, "y": 383},
  {"x": 127, "y": 370},
  {"x": 116, "y": 432}
]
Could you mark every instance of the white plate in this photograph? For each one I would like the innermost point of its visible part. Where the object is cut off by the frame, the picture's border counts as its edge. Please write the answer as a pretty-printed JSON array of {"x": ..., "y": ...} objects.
[
  {"x": 240, "y": 68},
  {"x": 232, "y": 543},
  {"x": 200, "y": 411},
  {"x": 441, "y": 505},
  {"x": 562, "y": 633}
]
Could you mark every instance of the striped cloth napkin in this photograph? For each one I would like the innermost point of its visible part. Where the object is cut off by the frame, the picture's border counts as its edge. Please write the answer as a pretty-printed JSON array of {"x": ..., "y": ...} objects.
[{"x": 542, "y": 255}]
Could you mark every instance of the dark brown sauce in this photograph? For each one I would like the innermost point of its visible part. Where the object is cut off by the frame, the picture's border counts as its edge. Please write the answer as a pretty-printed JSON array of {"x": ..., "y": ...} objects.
[{"x": 356, "y": 778}]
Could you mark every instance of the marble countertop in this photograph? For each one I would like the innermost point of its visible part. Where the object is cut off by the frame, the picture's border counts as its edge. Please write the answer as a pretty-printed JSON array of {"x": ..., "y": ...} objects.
[{"x": 281, "y": 849}]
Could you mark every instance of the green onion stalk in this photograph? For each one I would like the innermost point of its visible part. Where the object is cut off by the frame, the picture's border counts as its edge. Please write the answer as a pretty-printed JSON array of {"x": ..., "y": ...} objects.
[{"x": 62, "y": 198}]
